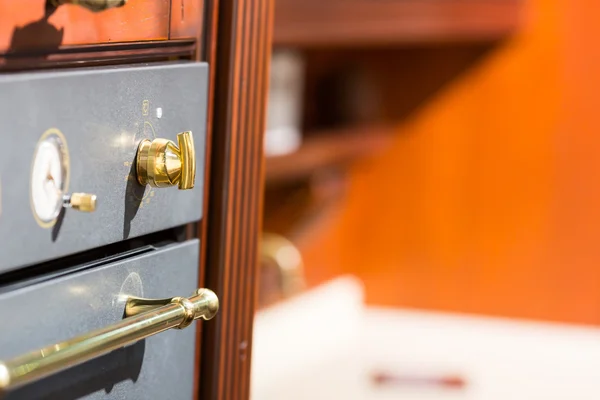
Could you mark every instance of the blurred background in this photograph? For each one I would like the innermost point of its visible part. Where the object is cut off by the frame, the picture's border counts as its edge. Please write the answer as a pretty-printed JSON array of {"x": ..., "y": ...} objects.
[{"x": 431, "y": 209}]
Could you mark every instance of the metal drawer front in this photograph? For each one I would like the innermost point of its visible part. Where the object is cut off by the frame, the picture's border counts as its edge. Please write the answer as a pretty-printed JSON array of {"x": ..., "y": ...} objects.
[
  {"x": 159, "y": 367},
  {"x": 103, "y": 114}
]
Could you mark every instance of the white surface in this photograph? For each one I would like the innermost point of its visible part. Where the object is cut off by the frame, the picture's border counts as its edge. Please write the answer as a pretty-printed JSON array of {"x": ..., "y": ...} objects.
[
  {"x": 296, "y": 341},
  {"x": 284, "y": 107},
  {"x": 325, "y": 345},
  {"x": 47, "y": 178},
  {"x": 500, "y": 359}
]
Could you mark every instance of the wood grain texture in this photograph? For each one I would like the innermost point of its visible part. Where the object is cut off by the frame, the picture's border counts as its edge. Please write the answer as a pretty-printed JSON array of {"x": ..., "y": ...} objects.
[
  {"x": 67, "y": 36},
  {"x": 234, "y": 216},
  {"x": 487, "y": 201},
  {"x": 27, "y": 26},
  {"x": 309, "y": 23},
  {"x": 102, "y": 54},
  {"x": 208, "y": 42},
  {"x": 187, "y": 19}
]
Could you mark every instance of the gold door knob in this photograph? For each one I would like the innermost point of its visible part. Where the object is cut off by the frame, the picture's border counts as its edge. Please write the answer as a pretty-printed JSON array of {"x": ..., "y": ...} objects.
[
  {"x": 161, "y": 163},
  {"x": 93, "y": 5}
]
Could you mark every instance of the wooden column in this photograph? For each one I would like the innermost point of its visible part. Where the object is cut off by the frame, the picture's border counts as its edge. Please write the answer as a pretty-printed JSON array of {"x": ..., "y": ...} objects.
[{"x": 235, "y": 196}]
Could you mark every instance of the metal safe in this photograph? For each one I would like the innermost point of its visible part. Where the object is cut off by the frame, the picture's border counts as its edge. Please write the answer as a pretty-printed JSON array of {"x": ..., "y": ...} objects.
[{"x": 104, "y": 156}]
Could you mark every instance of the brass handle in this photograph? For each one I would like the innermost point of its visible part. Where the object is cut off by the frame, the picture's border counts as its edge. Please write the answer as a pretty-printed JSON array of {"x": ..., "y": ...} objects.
[
  {"x": 144, "y": 317},
  {"x": 84, "y": 202},
  {"x": 93, "y": 5},
  {"x": 161, "y": 163},
  {"x": 278, "y": 252}
]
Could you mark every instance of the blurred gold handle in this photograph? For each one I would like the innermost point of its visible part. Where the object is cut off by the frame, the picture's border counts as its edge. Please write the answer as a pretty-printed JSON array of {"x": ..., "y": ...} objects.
[
  {"x": 144, "y": 317},
  {"x": 93, "y": 5},
  {"x": 282, "y": 253}
]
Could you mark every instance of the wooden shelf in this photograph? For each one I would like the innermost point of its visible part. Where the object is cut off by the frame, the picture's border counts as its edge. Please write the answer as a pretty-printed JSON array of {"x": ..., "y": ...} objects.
[
  {"x": 324, "y": 149},
  {"x": 318, "y": 23}
]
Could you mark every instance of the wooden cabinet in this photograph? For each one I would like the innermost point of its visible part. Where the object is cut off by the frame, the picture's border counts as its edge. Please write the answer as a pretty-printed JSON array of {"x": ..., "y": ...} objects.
[{"x": 232, "y": 39}]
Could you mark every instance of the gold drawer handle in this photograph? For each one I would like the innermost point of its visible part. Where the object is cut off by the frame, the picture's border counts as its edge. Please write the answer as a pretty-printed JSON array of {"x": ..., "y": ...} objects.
[
  {"x": 93, "y": 5},
  {"x": 144, "y": 317}
]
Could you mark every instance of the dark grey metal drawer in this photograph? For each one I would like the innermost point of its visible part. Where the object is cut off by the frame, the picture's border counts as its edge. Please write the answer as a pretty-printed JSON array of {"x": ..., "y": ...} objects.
[
  {"x": 160, "y": 367},
  {"x": 102, "y": 114}
]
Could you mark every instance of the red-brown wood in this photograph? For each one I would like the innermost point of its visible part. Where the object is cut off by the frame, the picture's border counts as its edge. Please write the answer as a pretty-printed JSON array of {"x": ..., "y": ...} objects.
[
  {"x": 310, "y": 23},
  {"x": 187, "y": 19},
  {"x": 27, "y": 25},
  {"x": 103, "y": 54},
  {"x": 208, "y": 43},
  {"x": 37, "y": 36},
  {"x": 236, "y": 182}
]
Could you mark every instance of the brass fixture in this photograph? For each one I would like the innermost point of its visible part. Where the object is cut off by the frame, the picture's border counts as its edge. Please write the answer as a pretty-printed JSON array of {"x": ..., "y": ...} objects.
[
  {"x": 144, "y": 317},
  {"x": 93, "y": 5},
  {"x": 282, "y": 271},
  {"x": 161, "y": 163},
  {"x": 81, "y": 202}
]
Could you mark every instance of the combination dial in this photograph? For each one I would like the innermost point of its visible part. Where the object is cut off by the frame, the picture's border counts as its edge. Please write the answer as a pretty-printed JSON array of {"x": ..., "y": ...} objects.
[{"x": 50, "y": 181}]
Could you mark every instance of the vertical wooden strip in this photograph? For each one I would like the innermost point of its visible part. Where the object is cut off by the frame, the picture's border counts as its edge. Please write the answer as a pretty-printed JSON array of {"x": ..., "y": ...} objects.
[
  {"x": 238, "y": 203},
  {"x": 249, "y": 79},
  {"x": 241, "y": 251},
  {"x": 259, "y": 70},
  {"x": 264, "y": 64},
  {"x": 244, "y": 32},
  {"x": 245, "y": 80},
  {"x": 208, "y": 53}
]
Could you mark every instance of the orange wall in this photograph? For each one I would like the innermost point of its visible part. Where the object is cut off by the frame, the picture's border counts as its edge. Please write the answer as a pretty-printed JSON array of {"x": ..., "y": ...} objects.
[{"x": 488, "y": 199}]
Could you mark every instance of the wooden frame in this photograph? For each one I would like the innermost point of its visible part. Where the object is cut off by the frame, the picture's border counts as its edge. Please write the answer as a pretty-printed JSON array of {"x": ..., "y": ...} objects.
[{"x": 235, "y": 195}]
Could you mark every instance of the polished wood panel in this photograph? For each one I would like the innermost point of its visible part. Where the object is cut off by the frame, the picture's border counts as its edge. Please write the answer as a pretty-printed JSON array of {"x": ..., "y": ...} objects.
[
  {"x": 208, "y": 41},
  {"x": 134, "y": 33},
  {"x": 28, "y": 25},
  {"x": 487, "y": 200},
  {"x": 234, "y": 215},
  {"x": 187, "y": 19},
  {"x": 104, "y": 54},
  {"x": 309, "y": 23}
]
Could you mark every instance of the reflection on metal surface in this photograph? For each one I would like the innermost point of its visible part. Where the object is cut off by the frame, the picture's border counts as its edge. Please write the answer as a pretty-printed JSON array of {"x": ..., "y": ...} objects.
[
  {"x": 144, "y": 317},
  {"x": 93, "y": 5},
  {"x": 282, "y": 269},
  {"x": 161, "y": 163}
]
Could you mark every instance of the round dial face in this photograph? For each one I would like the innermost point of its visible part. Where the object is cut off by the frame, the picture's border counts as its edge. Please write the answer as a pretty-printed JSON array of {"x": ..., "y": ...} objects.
[{"x": 49, "y": 177}]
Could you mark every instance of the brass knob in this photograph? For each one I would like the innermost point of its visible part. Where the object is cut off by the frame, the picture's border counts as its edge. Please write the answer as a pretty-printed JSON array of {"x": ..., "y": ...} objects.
[
  {"x": 160, "y": 163},
  {"x": 93, "y": 5}
]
